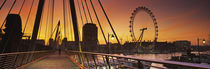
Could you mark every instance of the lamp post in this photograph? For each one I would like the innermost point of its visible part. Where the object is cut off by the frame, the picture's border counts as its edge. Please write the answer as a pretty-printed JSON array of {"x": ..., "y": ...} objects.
[
  {"x": 108, "y": 45},
  {"x": 199, "y": 48}
]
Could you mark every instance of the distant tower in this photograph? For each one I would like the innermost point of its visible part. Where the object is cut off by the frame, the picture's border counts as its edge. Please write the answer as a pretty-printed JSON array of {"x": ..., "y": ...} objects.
[
  {"x": 64, "y": 43},
  {"x": 13, "y": 34},
  {"x": 90, "y": 37},
  {"x": 51, "y": 42}
]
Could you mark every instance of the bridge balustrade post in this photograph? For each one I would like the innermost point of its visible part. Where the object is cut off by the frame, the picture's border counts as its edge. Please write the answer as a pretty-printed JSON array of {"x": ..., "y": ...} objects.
[
  {"x": 27, "y": 58},
  {"x": 88, "y": 65},
  {"x": 79, "y": 58},
  {"x": 140, "y": 66},
  {"x": 107, "y": 60},
  {"x": 97, "y": 60},
  {"x": 115, "y": 65},
  {"x": 104, "y": 60},
  {"x": 14, "y": 64},
  {"x": 93, "y": 56},
  {"x": 21, "y": 63}
]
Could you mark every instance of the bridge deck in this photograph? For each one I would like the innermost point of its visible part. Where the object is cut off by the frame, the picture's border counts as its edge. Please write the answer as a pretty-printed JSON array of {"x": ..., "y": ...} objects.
[{"x": 53, "y": 61}]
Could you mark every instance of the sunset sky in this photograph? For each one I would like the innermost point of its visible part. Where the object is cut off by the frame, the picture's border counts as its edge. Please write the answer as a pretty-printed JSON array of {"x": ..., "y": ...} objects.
[{"x": 177, "y": 19}]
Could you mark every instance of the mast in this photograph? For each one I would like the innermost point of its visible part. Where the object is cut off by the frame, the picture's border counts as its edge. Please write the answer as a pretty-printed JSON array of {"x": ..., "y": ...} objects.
[
  {"x": 74, "y": 21},
  {"x": 37, "y": 20}
]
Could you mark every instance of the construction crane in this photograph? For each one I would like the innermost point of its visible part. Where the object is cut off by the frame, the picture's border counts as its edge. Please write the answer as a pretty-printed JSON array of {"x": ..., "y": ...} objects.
[{"x": 141, "y": 37}]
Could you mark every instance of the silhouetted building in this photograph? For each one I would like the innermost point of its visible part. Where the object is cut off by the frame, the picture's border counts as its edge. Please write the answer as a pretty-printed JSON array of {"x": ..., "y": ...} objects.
[
  {"x": 182, "y": 43},
  {"x": 13, "y": 34},
  {"x": 39, "y": 45},
  {"x": 51, "y": 43},
  {"x": 64, "y": 43},
  {"x": 90, "y": 37},
  {"x": 1, "y": 34}
]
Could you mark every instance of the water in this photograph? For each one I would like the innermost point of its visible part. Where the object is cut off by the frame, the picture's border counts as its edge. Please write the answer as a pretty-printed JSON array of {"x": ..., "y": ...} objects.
[
  {"x": 157, "y": 56},
  {"x": 163, "y": 56},
  {"x": 153, "y": 56}
]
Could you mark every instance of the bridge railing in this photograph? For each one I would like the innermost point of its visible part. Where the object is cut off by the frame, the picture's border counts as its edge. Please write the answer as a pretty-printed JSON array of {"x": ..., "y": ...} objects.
[
  {"x": 109, "y": 61},
  {"x": 17, "y": 59}
]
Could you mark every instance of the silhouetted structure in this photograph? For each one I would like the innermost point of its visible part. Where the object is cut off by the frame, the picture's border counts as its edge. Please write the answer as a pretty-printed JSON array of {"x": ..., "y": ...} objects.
[
  {"x": 74, "y": 21},
  {"x": 13, "y": 34},
  {"x": 1, "y": 33},
  {"x": 37, "y": 20},
  {"x": 51, "y": 42},
  {"x": 64, "y": 43},
  {"x": 182, "y": 43},
  {"x": 90, "y": 37}
]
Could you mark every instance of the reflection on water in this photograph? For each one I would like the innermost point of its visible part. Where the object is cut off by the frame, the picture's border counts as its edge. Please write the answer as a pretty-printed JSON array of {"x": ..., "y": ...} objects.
[
  {"x": 162, "y": 56},
  {"x": 101, "y": 59},
  {"x": 156, "y": 56},
  {"x": 206, "y": 52}
]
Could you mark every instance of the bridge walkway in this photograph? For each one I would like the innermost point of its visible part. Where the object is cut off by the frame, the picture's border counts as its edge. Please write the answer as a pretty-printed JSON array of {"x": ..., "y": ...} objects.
[{"x": 53, "y": 61}]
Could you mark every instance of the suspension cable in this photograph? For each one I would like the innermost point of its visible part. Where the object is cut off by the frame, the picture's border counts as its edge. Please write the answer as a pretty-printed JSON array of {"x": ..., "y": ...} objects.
[
  {"x": 80, "y": 12},
  {"x": 28, "y": 16},
  {"x": 98, "y": 21},
  {"x": 40, "y": 27},
  {"x": 47, "y": 21},
  {"x": 21, "y": 27},
  {"x": 64, "y": 18},
  {"x": 88, "y": 11},
  {"x": 84, "y": 11},
  {"x": 53, "y": 31},
  {"x": 34, "y": 46},
  {"x": 26, "y": 22},
  {"x": 52, "y": 17},
  {"x": 109, "y": 22},
  {"x": 2, "y": 4},
  {"x": 21, "y": 7},
  {"x": 8, "y": 13}
]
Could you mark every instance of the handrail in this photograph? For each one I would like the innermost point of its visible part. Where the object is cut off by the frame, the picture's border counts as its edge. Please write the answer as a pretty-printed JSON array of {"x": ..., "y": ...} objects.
[
  {"x": 185, "y": 64},
  {"x": 17, "y": 59},
  {"x": 14, "y": 53}
]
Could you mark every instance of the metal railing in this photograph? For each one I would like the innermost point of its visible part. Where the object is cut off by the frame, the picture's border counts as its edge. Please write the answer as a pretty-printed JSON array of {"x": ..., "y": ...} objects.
[
  {"x": 17, "y": 59},
  {"x": 109, "y": 61}
]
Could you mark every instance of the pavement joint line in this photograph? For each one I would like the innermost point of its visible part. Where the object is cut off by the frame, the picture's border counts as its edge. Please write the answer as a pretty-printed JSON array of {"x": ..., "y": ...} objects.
[
  {"x": 23, "y": 66},
  {"x": 79, "y": 65}
]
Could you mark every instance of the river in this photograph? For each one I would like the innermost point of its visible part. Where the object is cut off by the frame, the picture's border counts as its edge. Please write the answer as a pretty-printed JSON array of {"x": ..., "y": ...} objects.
[{"x": 162, "y": 56}]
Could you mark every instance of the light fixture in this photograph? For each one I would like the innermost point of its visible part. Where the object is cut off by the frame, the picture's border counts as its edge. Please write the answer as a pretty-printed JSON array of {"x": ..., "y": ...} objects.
[
  {"x": 112, "y": 37},
  {"x": 204, "y": 41}
]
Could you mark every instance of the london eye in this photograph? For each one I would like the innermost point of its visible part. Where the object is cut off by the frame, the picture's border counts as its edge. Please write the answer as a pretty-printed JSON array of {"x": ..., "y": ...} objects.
[{"x": 133, "y": 35}]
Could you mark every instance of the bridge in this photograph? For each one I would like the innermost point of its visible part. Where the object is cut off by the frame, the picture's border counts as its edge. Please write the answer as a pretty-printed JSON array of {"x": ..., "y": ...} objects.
[
  {"x": 50, "y": 59},
  {"x": 18, "y": 52}
]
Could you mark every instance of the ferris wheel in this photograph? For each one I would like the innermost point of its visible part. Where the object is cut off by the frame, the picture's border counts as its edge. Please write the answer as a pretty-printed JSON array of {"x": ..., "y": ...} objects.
[{"x": 131, "y": 26}]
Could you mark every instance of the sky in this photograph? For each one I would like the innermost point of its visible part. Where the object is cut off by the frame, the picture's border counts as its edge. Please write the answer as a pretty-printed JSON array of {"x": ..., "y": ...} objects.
[{"x": 177, "y": 19}]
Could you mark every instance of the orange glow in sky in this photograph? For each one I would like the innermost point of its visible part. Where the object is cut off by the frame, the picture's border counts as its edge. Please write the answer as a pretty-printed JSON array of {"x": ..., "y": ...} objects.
[{"x": 177, "y": 19}]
